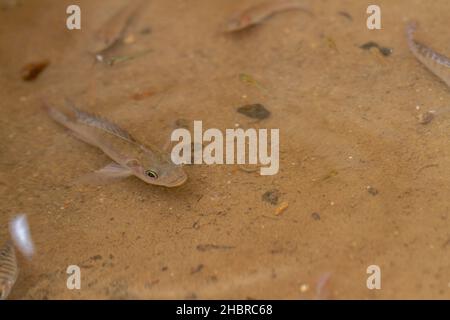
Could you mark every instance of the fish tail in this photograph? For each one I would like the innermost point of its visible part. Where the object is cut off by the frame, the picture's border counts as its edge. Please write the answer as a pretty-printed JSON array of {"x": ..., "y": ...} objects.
[
  {"x": 410, "y": 30},
  {"x": 57, "y": 115}
]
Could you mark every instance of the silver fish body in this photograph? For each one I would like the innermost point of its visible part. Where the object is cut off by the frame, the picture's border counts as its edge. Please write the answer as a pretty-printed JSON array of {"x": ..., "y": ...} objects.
[
  {"x": 434, "y": 61},
  {"x": 8, "y": 269},
  {"x": 130, "y": 156}
]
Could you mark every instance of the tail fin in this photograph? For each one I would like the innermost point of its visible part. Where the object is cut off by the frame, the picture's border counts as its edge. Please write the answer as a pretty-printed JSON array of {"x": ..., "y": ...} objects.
[
  {"x": 410, "y": 29},
  {"x": 56, "y": 115}
]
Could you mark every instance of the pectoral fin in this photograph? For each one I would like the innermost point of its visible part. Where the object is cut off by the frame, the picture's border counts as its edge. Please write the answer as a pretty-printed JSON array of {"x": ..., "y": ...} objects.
[{"x": 111, "y": 172}]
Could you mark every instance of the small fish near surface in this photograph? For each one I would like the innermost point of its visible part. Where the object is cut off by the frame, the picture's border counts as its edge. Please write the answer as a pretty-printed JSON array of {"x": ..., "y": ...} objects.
[
  {"x": 8, "y": 269},
  {"x": 131, "y": 158},
  {"x": 114, "y": 28},
  {"x": 434, "y": 61},
  {"x": 256, "y": 14}
]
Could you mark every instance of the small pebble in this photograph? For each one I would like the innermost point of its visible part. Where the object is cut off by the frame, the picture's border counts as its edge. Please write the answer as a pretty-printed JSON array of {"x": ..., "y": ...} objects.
[
  {"x": 426, "y": 117},
  {"x": 271, "y": 196},
  {"x": 304, "y": 288},
  {"x": 372, "y": 190},
  {"x": 130, "y": 39},
  {"x": 315, "y": 216},
  {"x": 255, "y": 111},
  {"x": 146, "y": 30}
]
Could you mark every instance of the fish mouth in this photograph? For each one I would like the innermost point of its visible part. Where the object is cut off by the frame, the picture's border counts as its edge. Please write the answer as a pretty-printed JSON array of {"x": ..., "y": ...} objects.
[
  {"x": 168, "y": 184},
  {"x": 176, "y": 183}
]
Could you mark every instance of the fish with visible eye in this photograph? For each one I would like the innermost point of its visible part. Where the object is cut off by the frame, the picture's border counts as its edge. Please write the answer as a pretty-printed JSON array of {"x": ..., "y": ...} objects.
[
  {"x": 131, "y": 158},
  {"x": 261, "y": 12}
]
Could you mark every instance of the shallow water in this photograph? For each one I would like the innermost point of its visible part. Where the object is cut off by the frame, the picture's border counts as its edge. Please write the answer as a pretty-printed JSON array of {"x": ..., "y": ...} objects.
[{"x": 347, "y": 120}]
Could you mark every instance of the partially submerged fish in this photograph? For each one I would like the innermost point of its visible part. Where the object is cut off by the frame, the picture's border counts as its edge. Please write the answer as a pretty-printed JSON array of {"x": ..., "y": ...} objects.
[
  {"x": 258, "y": 13},
  {"x": 113, "y": 30},
  {"x": 434, "y": 61},
  {"x": 8, "y": 269},
  {"x": 130, "y": 157}
]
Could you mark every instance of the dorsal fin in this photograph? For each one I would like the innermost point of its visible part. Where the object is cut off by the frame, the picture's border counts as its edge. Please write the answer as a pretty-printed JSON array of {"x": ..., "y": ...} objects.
[{"x": 101, "y": 123}]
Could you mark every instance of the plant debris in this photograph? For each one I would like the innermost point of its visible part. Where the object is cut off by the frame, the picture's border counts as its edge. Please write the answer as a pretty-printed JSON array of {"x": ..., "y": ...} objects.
[
  {"x": 248, "y": 79},
  {"x": 207, "y": 247},
  {"x": 255, "y": 111},
  {"x": 346, "y": 15},
  {"x": 383, "y": 50},
  {"x": 329, "y": 41},
  {"x": 283, "y": 206},
  {"x": 329, "y": 175},
  {"x": 141, "y": 95},
  {"x": 32, "y": 70}
]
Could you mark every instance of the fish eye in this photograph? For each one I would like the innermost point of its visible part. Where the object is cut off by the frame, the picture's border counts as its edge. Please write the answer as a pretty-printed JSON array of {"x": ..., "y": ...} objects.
[{"x": 151, "y": 174}]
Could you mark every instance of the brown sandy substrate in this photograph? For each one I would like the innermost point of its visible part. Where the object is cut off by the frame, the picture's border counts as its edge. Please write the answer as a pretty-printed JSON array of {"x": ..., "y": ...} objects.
[{"x": 347, "y": 119}]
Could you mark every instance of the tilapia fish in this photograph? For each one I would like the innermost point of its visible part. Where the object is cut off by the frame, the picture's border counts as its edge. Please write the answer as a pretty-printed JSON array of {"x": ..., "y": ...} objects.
[
  {"x": 259, "y": 13},
  {"x": 8, "y": 269},
  {"x": 434, "y": 61},
  {"x": 130, "y": 156}
]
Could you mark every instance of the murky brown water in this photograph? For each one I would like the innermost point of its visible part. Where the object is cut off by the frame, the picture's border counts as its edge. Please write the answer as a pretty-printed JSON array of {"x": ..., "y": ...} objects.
[{"x": 347, "y": 120}]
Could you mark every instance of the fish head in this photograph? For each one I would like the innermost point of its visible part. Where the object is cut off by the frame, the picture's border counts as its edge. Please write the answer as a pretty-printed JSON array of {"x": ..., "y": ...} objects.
[{"x": 158, "y": 170}]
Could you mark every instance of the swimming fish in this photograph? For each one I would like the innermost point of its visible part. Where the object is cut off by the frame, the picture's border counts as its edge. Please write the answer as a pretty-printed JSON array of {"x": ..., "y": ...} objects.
[
  {"x": 434, "y": 61},
  {"x": 130, "y": 156},
  {"x": 113, "y": 30},
  {"x": 8, "y": 269},
  {"x": 258, "y": 13}
]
